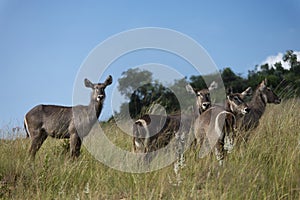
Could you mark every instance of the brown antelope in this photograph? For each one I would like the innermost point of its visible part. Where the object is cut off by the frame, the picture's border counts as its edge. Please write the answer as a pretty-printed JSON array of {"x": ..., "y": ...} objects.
[
  {"x": 217, "y": 123},
  {"x": 152, "y": 132},
  {"x": 262, "y": 96},
  {"x": 203, "y": 100},
  {"x": 65, "y": 122}
]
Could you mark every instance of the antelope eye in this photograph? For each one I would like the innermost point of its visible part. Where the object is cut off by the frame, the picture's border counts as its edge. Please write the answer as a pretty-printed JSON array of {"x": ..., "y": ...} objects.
[
  {"x": 236, "y": 98},
  {"x": 101, "y": 90}
]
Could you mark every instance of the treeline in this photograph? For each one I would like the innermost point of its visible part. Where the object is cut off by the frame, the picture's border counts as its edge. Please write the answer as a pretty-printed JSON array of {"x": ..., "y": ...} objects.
[
  {"x": 142, "y": 90},
  {"x": 286, "y": 82}
]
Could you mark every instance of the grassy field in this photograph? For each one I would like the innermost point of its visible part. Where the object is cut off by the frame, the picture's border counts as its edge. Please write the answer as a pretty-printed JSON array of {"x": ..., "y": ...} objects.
[{"x": 267, "y": 167}]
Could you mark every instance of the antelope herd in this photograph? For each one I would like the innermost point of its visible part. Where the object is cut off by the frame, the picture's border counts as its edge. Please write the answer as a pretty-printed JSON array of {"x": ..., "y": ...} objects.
[{"x": 211, "y": 127}]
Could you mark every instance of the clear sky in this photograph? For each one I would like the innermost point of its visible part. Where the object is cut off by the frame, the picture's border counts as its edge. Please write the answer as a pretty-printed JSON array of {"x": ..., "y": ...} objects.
[{"x": 44, "y": 43}]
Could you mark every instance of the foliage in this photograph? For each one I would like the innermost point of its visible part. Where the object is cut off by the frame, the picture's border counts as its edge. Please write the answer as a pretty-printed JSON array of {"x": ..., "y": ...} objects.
[
  {"x": 233, "y": 81},
  {"x": 143, "y": 92},
  {"x": 132, "y": 79},
  {"x": 285, "y": 81}
]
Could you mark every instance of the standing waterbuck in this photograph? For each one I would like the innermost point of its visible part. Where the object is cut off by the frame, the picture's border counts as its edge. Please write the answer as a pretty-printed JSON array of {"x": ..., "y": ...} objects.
[
  {"x": 65, "y": 122},
  {"x": 152, "y": 132},
  {"x": 203, "y": 101},
  {"x": 262, "y": 96},
  {"x": 215, "y": 125}
]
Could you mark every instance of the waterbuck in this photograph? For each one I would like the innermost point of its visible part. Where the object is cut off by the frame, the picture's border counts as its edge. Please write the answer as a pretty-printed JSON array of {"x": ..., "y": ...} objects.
[
  {"x": 203, "y": 100},
  {"x": 152, "y": 132},
  {"x": 262, "y": 96},
  {"x": 217, "y": 124},
  {"x": 65, "y": 122}
]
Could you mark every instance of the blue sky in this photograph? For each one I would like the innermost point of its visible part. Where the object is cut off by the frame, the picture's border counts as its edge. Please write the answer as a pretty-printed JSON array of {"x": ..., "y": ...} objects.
[{"x": 44, "y": 43}]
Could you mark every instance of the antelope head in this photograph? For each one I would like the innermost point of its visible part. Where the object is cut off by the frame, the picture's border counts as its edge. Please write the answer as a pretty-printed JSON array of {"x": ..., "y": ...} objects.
[
  {"x": 267, "y": 94},
  {"x": 236, "y": 103},
  {"x": 98, "y": 93},
  {"x": 203, "y": 99}
]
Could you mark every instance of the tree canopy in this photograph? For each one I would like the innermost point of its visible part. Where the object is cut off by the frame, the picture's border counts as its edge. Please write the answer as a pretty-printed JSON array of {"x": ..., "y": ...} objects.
[{"x": 142, "y": 90}]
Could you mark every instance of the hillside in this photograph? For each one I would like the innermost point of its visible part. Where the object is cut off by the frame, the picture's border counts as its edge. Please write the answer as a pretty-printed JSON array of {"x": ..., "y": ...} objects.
[{"x": 266, "y": 167}]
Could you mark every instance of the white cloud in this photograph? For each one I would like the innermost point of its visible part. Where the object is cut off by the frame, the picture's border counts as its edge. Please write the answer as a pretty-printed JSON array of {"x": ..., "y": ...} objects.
[{"x": 271, "y": 60}]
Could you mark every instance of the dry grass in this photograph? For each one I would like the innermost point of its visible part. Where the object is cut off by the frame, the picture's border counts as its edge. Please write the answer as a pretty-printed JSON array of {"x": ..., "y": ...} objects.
[{"x": 267, "y": 167}]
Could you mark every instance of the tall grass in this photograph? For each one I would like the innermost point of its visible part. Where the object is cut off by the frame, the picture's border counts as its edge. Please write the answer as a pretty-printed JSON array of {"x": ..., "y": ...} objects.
[{"x": 266, "y": 167}]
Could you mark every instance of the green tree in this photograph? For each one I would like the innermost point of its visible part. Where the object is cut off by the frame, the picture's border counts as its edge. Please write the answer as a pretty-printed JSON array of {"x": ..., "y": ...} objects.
[
  {"x": 197, "y": 82},
  {"x": 142, "y": 92},
  {"x": 132, "y": 79},
  {"x": 233, "y": 81},
  {"x": 279, "y": 69},
  {"x": 285, "y": 81},
  {"x": 291, "y": 58},
  {"x": 293, "y": 75}
]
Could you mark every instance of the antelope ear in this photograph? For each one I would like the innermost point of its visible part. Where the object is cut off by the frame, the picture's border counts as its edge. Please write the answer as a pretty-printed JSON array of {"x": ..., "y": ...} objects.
[
  {"x": 263, "y": 84},
  {"x": 190, "y": 89},
  {"x": 247, "y": 92},
  {"x": 229, "y": 97},
  {"x": 88, "y": 83},
  {"x": 266, "y": 82},
  {"x": 108, "y": 80},
  {"x": 229, "y": 91},
  {"x": 213, "y": 86}
]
